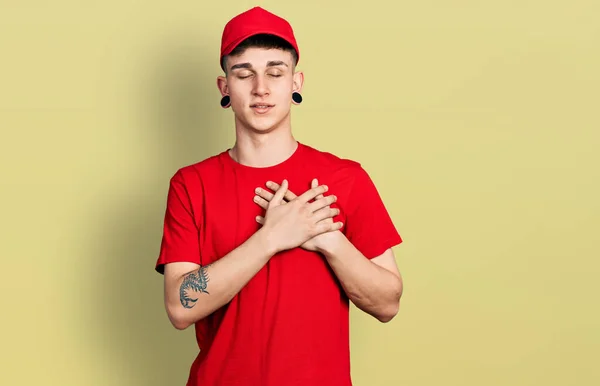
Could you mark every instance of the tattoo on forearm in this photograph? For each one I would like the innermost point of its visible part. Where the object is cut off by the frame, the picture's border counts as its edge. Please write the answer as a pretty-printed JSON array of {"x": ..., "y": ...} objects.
[{"x": 194, "y": 281}]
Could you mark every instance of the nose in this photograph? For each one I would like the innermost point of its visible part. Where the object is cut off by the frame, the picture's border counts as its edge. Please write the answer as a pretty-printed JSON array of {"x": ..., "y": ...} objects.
[{"x": 260, "y": 86}]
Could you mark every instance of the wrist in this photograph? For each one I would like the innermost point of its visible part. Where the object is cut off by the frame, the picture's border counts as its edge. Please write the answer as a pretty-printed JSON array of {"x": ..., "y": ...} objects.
[
  {"x": 333, "y": 245},
  {"x": 266, "y": 242}
]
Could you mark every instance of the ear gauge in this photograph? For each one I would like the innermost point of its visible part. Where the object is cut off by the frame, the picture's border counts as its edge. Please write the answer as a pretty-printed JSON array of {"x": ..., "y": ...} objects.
[
  {"x": 296, "y": 98},
  {"x": 225, "y": 101}
]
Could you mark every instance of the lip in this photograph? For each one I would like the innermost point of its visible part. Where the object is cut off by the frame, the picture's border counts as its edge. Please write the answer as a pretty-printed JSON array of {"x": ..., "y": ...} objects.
[{"x": 262, "y": 110}]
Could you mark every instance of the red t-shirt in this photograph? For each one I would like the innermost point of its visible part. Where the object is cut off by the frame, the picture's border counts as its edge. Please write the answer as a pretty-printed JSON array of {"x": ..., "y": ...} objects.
[{"x": 290, "y": 324}]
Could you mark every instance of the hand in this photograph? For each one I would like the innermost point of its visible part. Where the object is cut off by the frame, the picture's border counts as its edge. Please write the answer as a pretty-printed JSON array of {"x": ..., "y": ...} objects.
[
  {"x": 316, "y": 243},
  {"x": 291, "y": 224}
]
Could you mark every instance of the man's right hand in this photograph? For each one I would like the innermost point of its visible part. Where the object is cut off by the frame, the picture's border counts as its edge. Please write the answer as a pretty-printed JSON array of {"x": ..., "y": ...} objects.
[{"x": 291, "y": 224}]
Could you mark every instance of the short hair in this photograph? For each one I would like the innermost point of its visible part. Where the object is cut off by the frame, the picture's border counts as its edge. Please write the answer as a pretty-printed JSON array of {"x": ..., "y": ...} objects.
[{"x": 261, "y": 41}]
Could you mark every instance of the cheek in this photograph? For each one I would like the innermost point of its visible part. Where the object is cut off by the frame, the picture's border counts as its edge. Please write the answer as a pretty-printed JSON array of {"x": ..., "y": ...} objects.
[
  {"x": 238, "y": 101},
  {"x": 238, "y": 91},
  {"x": 283, "y": 95}
]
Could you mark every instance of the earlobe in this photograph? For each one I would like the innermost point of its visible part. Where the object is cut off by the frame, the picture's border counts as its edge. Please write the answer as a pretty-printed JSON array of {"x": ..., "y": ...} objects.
[
  {"x": 298, "y": 82},
  {"x": 296, "y": 98},
  {"x": 222, "y": 85},
  {"x": 225, "y": 101}
]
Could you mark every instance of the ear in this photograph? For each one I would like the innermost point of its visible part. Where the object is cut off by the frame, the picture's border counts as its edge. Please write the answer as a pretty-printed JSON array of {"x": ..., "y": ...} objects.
[
  {"x": 298, "y": 81},
  {"x": 222, "y": 85}
]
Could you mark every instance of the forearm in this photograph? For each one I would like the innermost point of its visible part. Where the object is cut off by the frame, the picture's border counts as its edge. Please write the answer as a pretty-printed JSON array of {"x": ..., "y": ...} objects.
[
  {"x": 199, "y": 293},
  {"x": 372, "y": 288}
]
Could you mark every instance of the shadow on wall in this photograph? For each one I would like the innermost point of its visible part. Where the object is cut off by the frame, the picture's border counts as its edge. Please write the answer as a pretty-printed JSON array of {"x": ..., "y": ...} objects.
[{"x": 129, "y": 322}]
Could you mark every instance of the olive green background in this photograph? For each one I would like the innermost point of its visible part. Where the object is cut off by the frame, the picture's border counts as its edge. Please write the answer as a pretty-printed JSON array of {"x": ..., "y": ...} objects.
[{"x": 478, "y": 121}]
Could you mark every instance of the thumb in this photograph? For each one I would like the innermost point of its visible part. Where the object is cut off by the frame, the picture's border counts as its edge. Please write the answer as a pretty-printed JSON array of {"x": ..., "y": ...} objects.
[{"x": 278, "y": 197}]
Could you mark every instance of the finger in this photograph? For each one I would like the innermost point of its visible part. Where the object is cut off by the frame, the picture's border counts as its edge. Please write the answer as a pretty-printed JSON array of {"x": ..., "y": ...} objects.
[
  {"x": 264, "y": 194},
  {"x": 261, "y": 202},
  {"x": 260, "y": 220},
  {"x": 324, "y": 227},
  {"x": 312, "y": 193},
  {"x": 322, "y": 203},
  {"x": 267, "y": 195},
  {"x": 289, "y": 195},
  {"x": 314, "y": 185},
  {"x": 278, "y": 197},
  {"x": 326, "y": 213}
]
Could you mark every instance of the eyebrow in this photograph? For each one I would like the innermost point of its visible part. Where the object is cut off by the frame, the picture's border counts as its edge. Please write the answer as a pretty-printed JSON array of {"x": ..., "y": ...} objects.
[
  {"x": 271, "y": 63},
  {"x": 274, "y": 63}
]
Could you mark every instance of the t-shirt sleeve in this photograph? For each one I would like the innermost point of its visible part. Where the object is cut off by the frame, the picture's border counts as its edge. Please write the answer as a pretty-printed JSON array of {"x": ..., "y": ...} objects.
[
  {"x": 180, "y": 234},
  {"x": 369, "y": 226}
]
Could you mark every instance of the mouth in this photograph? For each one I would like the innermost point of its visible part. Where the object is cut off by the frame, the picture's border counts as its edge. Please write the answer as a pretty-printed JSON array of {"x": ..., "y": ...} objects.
[{"x": 261, "y": 108}]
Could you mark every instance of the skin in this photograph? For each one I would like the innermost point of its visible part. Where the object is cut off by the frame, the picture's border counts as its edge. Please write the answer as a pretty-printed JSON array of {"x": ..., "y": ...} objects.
[
  {"x": 317, "y": 243},
  {"x": 268, "y": 76},
  {"x": 264, "y": 76},
  {"x": 261, "y": 76},
  {"x": 374, "y": 286},
  {"x": 267, "y": 140}
]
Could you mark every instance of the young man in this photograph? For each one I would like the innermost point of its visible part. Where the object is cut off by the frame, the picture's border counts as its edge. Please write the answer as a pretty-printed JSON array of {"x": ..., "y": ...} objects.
[{"x": 266, "y": 242}]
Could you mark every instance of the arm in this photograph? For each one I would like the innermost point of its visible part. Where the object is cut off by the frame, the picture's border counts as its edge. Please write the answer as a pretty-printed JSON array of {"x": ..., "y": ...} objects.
[
  {"x": 374, "y": 286},
  {"x": 193, "y": 292}
]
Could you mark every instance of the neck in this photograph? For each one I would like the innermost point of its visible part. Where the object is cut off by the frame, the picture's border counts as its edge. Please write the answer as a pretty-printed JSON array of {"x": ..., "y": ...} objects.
[{"x": 263, "y": 149}]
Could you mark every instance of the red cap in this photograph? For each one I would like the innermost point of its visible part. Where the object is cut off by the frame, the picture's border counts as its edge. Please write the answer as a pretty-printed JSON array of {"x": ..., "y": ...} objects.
[{"x": 253, "y": 22}]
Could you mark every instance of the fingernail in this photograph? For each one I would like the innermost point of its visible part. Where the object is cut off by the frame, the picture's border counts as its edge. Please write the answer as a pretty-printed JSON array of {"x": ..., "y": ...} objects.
[
  {"x": 257, "y": 190},
  {"x": 326, "y": 187}
]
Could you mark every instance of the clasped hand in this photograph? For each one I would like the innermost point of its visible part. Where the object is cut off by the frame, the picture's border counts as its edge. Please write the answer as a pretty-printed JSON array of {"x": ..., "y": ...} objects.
[{"x": 294, "y": 221}]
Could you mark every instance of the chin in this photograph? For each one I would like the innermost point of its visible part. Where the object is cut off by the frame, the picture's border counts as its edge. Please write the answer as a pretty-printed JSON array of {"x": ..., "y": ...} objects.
[{"x": 264, "y": 125}]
